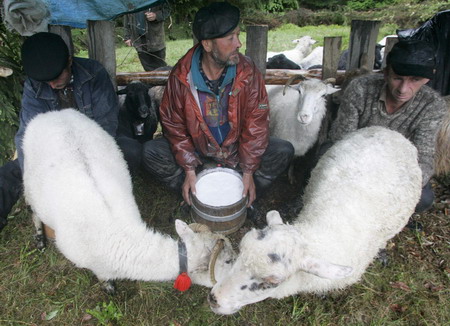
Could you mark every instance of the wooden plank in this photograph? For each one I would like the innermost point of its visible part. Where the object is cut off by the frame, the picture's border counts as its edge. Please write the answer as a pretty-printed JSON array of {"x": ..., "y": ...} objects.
[
  {"x": 65, "y": 32},
  {"x": 390, "y": 42},
  {"x": 363, "y": 38},
  {"x": 101, "y": 45},
  {"x": 331, "y": 53},
  {"x": 272, "y": 77},
  {"x": 257, "y": 45}
]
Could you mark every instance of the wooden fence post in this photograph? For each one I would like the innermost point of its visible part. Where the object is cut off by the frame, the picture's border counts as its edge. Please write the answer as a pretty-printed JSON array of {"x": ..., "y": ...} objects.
[
  {"x": 363, "y": 38},
  {"x": 390, "y": 41},
  {"x": 65, "y": 32},
  {"x": 257, "y": 45},
  {"x": 331, "y": 53},
  {"x": 101, "y": 45}
]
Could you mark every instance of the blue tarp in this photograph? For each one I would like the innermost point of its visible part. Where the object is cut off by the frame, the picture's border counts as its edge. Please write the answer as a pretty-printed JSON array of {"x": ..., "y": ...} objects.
[
  {"x": 32, "y": 16},
  {"x": 75, "y": 13}
]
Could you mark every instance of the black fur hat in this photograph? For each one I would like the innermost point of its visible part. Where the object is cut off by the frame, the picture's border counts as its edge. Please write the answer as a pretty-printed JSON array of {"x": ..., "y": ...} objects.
[
  {"x": 412, "y": 58},
  {"x": 215, "y": 20},
  {"x": 44, "y": 56}
]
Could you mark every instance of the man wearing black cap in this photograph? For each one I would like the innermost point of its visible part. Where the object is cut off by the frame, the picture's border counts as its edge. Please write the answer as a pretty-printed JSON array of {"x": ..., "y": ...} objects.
[
  {"x": 57, "y": 81},
  {"x": 398, "y": 100},
  {"x": 215, "y": 108}
]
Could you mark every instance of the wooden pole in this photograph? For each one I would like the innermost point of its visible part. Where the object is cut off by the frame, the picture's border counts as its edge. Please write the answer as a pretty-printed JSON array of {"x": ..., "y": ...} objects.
[
  {"x": 101, "y": 45},
  {"x": 257, "y": 45},
  {"x": 331, "y": 53},
  {"x": 363, "y": 38},
  {"x": 390, "y": 42},
  {"x": 65, "y": 32}
]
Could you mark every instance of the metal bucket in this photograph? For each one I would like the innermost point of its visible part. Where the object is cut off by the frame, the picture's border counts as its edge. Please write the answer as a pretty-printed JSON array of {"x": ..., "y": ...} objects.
[{"x": 221, "y": 219}]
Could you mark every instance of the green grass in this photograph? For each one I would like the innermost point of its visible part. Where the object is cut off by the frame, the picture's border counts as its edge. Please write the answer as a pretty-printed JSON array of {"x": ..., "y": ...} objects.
[
  {"x": 279, "y": 39},
  {"x": 44, "y": 288}
]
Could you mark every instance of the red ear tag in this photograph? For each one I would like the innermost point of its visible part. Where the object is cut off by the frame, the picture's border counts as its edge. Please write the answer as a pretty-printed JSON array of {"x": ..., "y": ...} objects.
[{"x": 183, "y": 282}]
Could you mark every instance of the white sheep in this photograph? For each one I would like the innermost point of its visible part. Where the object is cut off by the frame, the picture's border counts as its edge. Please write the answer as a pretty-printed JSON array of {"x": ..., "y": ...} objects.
[
  {"x": 301, "y": 50},
  {"x": 296, "y": 114},
  {"x": 361, "y": 194},
  {"x": 77, "y": 182},
  {"x": 442, "y": 156},
  {"x": 315, "y": 58}
]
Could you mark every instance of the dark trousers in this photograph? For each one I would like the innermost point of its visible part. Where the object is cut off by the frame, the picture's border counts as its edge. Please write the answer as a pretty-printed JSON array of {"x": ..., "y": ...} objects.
[
  {"x": 426, "y": 199},
  {"x": 159, "y": 161},
  {"x": 132, "y": 152},
  {"x": 152, "y": 60}
]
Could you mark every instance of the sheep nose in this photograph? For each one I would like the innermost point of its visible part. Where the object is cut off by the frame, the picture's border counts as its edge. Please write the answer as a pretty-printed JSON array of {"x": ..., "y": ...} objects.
[
  {"x": 144, "y": 111},
  {"x": 304, "y": 118},
  {"x": 212, "y": 301}
]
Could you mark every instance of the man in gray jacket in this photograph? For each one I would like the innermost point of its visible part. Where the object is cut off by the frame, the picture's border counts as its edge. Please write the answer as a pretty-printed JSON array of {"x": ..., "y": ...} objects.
[
  {"x": 398, "y": 100},
  {"x": 145, "y": 31}
]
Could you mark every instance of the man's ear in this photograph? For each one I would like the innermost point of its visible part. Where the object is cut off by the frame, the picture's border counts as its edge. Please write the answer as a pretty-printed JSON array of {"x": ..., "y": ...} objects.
[{"x": 207, "y": 45}]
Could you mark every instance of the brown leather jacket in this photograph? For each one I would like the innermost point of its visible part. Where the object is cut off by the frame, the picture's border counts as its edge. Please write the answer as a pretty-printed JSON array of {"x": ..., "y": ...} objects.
[{"x": 248, "y": 114}]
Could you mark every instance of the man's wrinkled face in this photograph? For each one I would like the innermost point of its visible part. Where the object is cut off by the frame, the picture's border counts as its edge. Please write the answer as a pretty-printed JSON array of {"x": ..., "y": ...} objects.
[
  {"x": 225, "y": 49},
  {"x": 403, "y": 88}
]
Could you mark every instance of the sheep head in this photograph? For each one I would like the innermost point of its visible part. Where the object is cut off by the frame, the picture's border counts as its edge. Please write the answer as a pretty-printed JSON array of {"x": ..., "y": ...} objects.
[
  {"x": 304, "y": 44},
  {"x": 201, "y": 244},
  {"x": 137, "y": 100},
  {"x": 311, "y": 99},
  {"x": 268, "y": 259}
]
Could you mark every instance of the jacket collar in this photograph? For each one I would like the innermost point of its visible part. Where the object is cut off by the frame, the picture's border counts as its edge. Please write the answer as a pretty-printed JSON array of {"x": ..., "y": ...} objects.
[
  {"x": 197, "y": 77},
  {"x": 183, "y": 67}
]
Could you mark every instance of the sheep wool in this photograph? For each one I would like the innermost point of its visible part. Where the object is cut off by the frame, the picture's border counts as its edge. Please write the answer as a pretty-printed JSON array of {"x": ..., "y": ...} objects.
[
  {"x": 77, "y": 182},
  {"x": 361, "y": 194}
]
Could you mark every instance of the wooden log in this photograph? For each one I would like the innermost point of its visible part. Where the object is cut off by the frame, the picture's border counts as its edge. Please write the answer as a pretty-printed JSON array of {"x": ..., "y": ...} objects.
[
  {"x": 65, "y": 32},
  {"x": 331, "y": 53},
  {"x": 272, "y": 77},
  {"x": 101, "y": 44},
  {"x": 257, "y": 45},
  {"x": 363, "y": 38},
  {"x": 390, "y": 41}
]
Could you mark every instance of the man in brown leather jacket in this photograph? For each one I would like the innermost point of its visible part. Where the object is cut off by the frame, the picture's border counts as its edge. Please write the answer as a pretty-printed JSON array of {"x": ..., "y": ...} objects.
[{"x": 215, "y": 109}]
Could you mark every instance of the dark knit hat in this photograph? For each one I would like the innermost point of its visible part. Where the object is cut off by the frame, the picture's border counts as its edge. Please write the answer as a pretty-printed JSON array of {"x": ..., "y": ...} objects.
[
  {"x": 412, "y": 58},
  {"x": 44, "y": 56},
  {"x": 215, "y": 20}
]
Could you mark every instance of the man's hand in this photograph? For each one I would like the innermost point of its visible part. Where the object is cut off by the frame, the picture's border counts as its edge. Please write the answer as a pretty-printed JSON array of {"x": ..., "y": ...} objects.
[
  {"x": 151, "y": 16},
  {"x": 189, "y": 185},
  {"x": 249, "y": 188}
]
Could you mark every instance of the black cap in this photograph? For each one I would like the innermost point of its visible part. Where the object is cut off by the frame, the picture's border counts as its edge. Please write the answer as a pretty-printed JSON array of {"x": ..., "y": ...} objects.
[
  {"x": 215, "y": 20},
  {"x": 412, "y": 58},
  {"x": 44, "y": 56}
]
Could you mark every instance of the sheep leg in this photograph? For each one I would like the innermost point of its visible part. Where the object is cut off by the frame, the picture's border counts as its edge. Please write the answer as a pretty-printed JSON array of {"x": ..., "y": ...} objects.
[
  {"x": 39, "y": 236},
  {"x": 108, "y": 286}
]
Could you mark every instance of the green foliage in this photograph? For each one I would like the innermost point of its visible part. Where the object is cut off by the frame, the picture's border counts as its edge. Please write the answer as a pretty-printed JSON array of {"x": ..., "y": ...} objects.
[
  {"x": 280, "y": 5},
  {"x": 106, "y": 313},
  {"x": 10, "y": 91},
  {"x": 369, "y": 4}
]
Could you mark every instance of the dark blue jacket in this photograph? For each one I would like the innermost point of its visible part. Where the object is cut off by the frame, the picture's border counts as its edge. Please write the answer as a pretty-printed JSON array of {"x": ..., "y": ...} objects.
[{"x": 94, "y": 94}]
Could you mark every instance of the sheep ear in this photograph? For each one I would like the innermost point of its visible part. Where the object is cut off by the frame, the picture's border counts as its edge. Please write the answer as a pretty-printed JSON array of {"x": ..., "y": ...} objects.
[
  {"x": 331, "y": 89},
  {"x": 325, "y": 269},
  {"x": 182, "y": 228},
  {"x": 121, "y": 91},
  {"x": 273, "y": 217}
]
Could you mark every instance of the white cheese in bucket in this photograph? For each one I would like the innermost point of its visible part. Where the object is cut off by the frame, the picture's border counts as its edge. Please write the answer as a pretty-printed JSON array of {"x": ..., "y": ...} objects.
[{"x": 219, "y": 189}]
